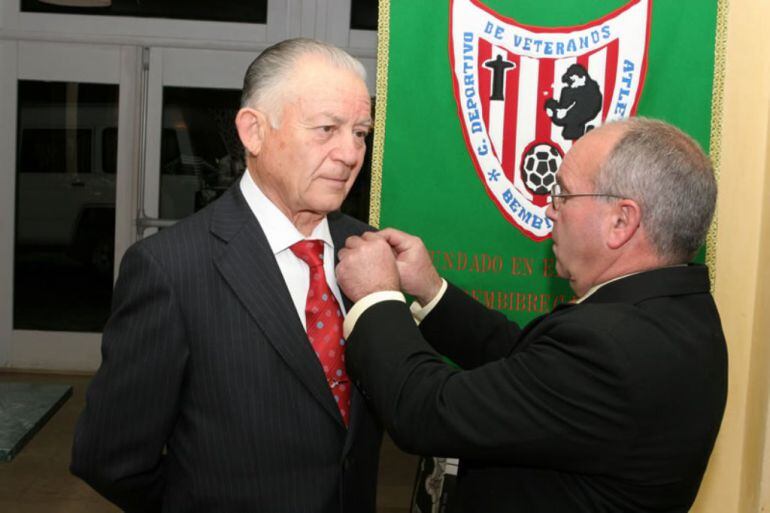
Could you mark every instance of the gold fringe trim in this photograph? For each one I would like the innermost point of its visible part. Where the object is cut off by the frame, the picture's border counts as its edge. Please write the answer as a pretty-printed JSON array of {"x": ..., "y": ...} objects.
[
  {"x": 715, "y": 142},
  {"x": 383, "y": 49}
]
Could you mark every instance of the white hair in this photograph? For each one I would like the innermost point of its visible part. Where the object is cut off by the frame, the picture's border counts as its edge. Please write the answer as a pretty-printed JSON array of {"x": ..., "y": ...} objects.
[{"x": 267, "y": 75}]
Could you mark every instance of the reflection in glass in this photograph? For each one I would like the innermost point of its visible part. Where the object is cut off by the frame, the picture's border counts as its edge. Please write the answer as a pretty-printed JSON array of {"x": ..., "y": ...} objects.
[
  {"x": 242, "y": 11},
  {"x": 65, "y": 205},
  {"x": 201, "y": 155}
]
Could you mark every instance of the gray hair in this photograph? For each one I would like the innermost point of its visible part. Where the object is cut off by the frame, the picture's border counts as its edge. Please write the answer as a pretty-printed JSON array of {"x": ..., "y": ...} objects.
[
  {"x": 266, "y": 76},
  {"x": 670, "y": 177}
]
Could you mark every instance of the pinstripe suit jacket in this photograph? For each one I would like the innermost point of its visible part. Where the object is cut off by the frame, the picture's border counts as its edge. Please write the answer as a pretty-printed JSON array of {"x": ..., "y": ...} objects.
[{"x": 209, "y": 397}]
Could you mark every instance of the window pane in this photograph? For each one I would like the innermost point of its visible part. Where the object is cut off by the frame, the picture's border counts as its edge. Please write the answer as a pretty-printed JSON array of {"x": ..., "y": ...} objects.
[
  {"x": 243, "y": 11},
  {"x": 65, "y": 205},
  {"x": 363, "y": 14},
  {"x": 201, "y": 155}
]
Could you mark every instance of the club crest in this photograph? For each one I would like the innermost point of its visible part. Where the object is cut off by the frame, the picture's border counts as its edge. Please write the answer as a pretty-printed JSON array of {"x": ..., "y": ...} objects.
[{"x": 525, "y": 94}]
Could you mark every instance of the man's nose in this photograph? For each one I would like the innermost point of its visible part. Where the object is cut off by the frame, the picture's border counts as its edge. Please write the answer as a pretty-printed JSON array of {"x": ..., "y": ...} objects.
[
  {"x": 348, "y": 150},
  {"x": 550, "y": 212}
]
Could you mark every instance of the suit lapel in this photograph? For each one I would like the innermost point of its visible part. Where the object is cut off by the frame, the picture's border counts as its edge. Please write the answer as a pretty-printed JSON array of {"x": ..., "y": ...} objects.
[
  {"x": 247, "y": 264},
  {"x": 358, "y": 407},
  {"x": 340, "y": 232}
]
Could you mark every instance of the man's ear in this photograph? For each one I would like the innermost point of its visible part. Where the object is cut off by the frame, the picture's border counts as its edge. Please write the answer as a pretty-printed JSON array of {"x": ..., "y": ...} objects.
[
  {"x": 626, "y": 217},
  {"x": 252, "y": 128}
]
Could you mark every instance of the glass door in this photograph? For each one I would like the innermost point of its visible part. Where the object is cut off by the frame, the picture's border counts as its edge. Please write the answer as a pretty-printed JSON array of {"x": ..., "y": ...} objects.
[
  {"x": 112, "y": 144},
  {"x": 191, "y": 152},
  {"x": 69, "y": 171}
]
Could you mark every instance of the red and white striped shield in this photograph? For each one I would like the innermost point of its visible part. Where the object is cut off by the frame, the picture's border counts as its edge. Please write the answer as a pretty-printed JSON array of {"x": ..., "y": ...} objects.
[{"x": 525, "y": 94}]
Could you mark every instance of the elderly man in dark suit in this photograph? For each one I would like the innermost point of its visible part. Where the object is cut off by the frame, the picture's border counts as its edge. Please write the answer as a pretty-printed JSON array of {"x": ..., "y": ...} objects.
[
  {"x": 223, "y": 386},
  {"x": 608, "y": 405}
]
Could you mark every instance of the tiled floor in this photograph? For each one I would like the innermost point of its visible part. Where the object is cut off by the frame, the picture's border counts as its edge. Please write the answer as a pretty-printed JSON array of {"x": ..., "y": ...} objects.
[{"x": 37, "y": 480}]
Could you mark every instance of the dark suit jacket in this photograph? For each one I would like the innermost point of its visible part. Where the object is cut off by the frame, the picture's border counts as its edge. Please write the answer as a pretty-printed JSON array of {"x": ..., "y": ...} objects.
[
  {"x": 607, "y": 406},
  {"x": 209, "y": 397}
]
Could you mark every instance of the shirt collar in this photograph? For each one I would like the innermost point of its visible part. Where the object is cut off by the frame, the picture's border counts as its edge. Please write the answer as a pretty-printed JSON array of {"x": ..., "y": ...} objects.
[
  {"x": 279, "y": 230},
  {"x": 597, "y": 287}
]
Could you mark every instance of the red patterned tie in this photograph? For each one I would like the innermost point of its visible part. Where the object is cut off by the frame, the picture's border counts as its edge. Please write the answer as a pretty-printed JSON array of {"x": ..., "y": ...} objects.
[{"x": 324, "y": 324}]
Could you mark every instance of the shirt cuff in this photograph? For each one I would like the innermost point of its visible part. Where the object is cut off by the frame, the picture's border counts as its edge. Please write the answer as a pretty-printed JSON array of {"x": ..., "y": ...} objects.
[
  {"x": 420, "y": 312},
  {"x": 365, "y": 302}
]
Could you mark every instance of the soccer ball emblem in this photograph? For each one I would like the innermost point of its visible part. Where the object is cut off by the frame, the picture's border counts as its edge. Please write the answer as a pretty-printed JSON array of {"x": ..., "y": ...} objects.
[{"x": 538, "y": 167}]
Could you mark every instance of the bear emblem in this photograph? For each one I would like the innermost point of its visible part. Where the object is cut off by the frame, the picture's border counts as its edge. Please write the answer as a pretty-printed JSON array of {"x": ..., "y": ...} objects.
[{"x": 580, "y": 102}]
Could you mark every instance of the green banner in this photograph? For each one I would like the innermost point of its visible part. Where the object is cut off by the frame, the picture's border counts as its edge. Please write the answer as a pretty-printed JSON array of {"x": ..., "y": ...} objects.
[{"x": 478, "y": 101}]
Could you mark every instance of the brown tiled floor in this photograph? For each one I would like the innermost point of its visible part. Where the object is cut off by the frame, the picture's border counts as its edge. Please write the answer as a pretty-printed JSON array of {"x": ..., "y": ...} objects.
[{"x": 38, "y": 480}]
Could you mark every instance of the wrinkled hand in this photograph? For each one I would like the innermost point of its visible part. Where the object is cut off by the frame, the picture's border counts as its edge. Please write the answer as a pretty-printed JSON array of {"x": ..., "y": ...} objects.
[
  {"x": 367, "y": 264},
  {"x": 416, "y": 272}
]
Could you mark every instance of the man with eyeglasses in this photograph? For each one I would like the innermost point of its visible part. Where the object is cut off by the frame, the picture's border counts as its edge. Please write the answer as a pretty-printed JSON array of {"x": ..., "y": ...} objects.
[{"x": 609, "y": 404}]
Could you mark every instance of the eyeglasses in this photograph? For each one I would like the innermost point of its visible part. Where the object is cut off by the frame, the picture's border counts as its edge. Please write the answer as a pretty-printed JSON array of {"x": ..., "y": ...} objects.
[{"x": 558, "y": 196}]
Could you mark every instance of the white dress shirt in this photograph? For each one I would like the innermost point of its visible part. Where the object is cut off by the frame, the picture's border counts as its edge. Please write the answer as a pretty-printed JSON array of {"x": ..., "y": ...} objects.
[
  {"x": 419, "y": 312},
  {"x": 281, "y": 234}
]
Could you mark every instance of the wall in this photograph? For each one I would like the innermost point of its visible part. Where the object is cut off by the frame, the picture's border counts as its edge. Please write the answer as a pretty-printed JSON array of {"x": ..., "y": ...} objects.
[{"x": 733, "y": 482}]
